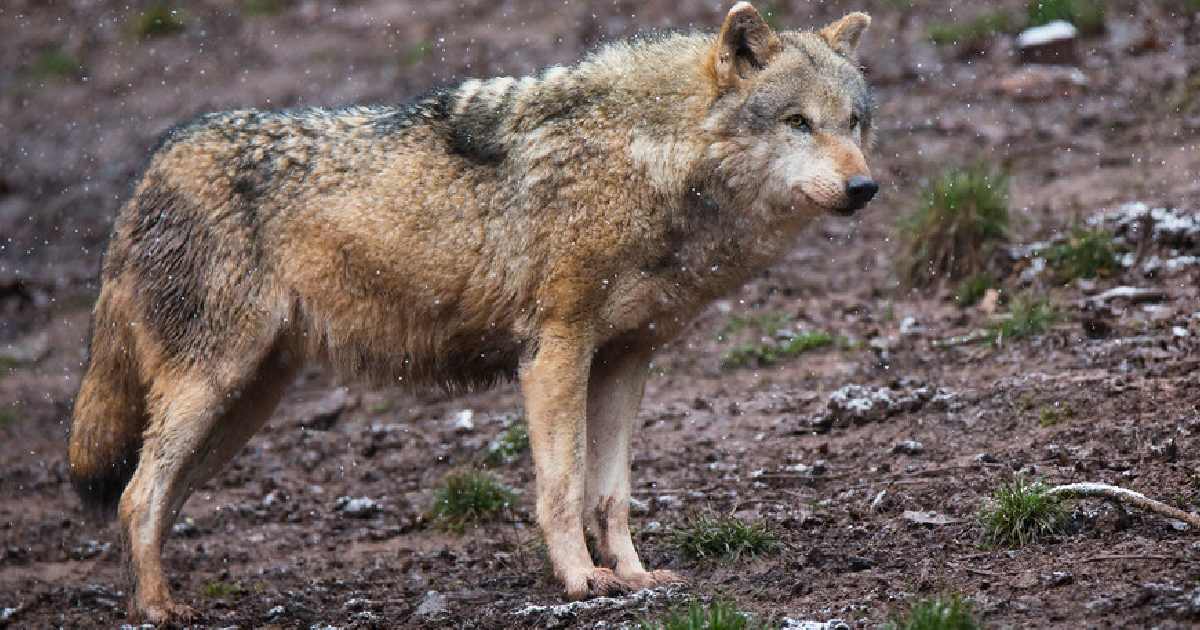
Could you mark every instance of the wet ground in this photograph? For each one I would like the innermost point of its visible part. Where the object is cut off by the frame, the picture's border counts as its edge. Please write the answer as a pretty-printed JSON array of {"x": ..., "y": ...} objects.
[{"x": 264, "y": 545}]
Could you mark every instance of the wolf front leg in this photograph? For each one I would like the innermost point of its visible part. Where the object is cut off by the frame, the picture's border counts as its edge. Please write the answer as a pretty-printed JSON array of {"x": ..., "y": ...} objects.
[
  {"x": 554, "y": 383},
  {"x": 615, "y": 388}
]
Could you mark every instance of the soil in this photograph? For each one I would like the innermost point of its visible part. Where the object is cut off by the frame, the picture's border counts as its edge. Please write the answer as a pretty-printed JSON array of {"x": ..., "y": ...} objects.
[{"x": 262, "y": 545}]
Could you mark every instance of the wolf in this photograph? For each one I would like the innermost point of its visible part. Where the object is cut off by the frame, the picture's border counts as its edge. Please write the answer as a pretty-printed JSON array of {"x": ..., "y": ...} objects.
[{"x": 555, "y": 228}]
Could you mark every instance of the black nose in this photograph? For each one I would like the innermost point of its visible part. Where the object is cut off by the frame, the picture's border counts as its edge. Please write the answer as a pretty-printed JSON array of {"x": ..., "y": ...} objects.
[{"x": 860, "y": 190}]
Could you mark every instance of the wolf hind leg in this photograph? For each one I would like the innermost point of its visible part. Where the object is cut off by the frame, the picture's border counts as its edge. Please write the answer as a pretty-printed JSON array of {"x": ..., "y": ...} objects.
[
  {"x": 198, "y": 422},
  {"x": 615, "y": 388}
]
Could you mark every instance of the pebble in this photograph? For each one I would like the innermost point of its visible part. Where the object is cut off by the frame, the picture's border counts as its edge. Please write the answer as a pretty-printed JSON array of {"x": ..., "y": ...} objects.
[
  {"x": 277, "y": 611},
  {"x": 1053, "y": 42},
  {"x": 464, "y": 421},
  {"x": 804, "y": 624},
  {"x": 909, "y": 447},
  {"x": 361, "y": 507},
  {"x": 432, "y": 605}
]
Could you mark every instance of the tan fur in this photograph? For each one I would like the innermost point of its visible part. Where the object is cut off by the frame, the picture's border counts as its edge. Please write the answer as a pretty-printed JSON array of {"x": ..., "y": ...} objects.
[{"x": 558, "y": 228}]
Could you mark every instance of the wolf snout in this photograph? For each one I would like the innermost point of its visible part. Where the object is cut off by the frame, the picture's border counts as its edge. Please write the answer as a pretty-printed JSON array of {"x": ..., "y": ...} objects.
[{"x": 859, "y": 190}]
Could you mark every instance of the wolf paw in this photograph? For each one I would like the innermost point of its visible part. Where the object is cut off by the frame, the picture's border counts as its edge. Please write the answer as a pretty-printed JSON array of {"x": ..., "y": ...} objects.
[
  {"x": 651, "y": 579},
  {"x": 594, "y": 583},
  {"x": 167, "y": 612}
]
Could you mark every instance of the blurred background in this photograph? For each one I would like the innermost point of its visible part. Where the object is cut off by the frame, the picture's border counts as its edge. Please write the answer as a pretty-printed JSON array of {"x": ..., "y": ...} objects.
[{"x": 1034, "y": 157}]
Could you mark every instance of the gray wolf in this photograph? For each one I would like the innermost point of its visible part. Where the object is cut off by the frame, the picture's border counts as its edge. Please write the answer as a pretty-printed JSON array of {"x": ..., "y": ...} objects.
[{"x": 555, "y": 228}]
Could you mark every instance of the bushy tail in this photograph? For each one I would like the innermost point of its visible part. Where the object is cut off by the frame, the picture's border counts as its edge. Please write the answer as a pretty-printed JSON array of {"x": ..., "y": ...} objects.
[{"x": 110, "y": 412}]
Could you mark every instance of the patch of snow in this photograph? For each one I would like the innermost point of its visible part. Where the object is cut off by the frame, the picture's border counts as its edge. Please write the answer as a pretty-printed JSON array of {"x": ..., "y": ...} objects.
[{"x": 1056, "y": 31}]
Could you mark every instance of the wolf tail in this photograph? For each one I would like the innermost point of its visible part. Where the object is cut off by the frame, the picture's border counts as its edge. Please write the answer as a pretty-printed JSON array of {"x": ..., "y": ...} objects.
[{"x": 110, "y": 410}]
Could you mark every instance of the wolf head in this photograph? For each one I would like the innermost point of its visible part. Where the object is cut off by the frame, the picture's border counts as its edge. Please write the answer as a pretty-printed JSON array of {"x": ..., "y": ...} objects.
[{"x": 791, "y": 114}]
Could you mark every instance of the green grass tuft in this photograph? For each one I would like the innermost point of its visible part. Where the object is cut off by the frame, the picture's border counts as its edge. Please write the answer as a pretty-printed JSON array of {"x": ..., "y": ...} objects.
[
  {"x": 1021, "y": 513},
  {"x": 159, "y": 19},
  {"x": 766, "y": 324},
  {"x": 263, "y": 7},
  {"x": 55, "y": 63},
  {"x": 1051, "y": 415},
  {"x": 769, "y": 353},
  {"x": 724, "y": 537},
  {"x": 509, "y": 445},
  {"x": 961, "y": 216},
  {"x": 950, "y": 612},
  {"x": 1086, "y": 15},
  {"x": 974, "y": 32},
  {"x": 1087, "y": 254},
  {"x": 7, "y": 417},
  {"x": 972, "y": 289},
  {"x": 222, "y": 590},
  {"x": 1027, "y": 317},
  {"x": 718, "y": 615},
  {"x": 469, "y": 498}
]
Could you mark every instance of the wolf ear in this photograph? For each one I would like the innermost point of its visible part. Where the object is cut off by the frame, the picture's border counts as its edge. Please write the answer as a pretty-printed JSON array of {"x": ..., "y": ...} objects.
[
  {"x": 745, "y": 45},
  {"x": 844, "y": 34}
]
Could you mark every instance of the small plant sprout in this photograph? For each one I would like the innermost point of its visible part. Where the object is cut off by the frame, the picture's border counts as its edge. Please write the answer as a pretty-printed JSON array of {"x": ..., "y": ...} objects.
[
  {"x": 947, "y": 612},
  {"x": 771, "y": 352},
  {"x": 723, "y": 537},
  {"x": 469, "y": 498},
  {"x": 1027, "y": 317},
  {"x": 1086, "y": 254},
  {"x": 1086, "y": 15},
  {"x": 157, "y": 20},
  {"x": 718, "y": 615},
  {"x": 1021, "y": 513},
  {"x": 509, "y": 445},
  {"x": 1051, "y": 415},
  {"x": 962, "y": 215},
  {"x": 973, "y": 33},
  {"x": 222, "y": 590},
  {"x": 972, "y": 289}
]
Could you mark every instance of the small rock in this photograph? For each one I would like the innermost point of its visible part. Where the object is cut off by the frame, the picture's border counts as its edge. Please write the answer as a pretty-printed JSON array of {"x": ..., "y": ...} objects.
[
  {"x": 668, "y": 501},
  {"x": 1179, "y": 526},
  {"x": 277, "y": 611},
  {"x": 464, "y": 421},
  {"x": 1135, "y": 295},
  {"x": 1179, "y": 331},
  {"x": 1034, "y": 83},
  {"x": 1052, "y": 43},
  {"x": 324, "y": 413},
  {"x": 927, "y": 518},
  {"x": 361, "y": 507},
  {"x": 877, "y": 502},
  {"x": 6, "y": 614},
  {"x": 1058, "y": 578},
  {"x": 638, "y": 506},
  {"x": 859, "y": 563},
  {"x": 909, "y": 447},
  {"x": 433, "y": 605},
  {"x": 804, "y": 624},
  {"x": 986, "y": 458},
  {"x": 910, "y": 327}
]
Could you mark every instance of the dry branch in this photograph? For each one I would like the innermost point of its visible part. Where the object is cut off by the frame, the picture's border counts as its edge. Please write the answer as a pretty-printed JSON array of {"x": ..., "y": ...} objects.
[{"x": 1127, "y": 497}]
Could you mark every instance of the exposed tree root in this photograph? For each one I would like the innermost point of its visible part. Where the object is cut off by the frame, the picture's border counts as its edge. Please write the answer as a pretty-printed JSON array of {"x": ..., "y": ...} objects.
[{"x": 1127, "y": 497}]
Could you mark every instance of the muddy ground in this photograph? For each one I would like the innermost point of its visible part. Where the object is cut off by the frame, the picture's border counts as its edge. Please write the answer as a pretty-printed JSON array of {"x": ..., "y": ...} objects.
[{"x": 262, "y": 544}]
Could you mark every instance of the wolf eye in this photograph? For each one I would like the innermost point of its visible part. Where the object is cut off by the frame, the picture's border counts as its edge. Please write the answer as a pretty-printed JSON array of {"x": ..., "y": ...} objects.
[{"x": 799, "y": 123}]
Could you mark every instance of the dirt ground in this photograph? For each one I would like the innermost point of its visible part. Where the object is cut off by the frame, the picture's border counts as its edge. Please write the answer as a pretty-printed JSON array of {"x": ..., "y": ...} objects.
[{"x": 262, "y": 545}]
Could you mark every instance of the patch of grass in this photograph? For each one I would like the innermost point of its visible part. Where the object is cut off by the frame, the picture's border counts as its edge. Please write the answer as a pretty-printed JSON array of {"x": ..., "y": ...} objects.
[
  {"x": 769, "y": 353},
  {"x": 1086, "y": 15},
  {"x": 1021, "y": 513},
  {"x": 509, "y": 445},
  {"x": 973, "y": 32},
  {"x": 947, "y": 612},
  {"x": 718, "y": 615},
  {"x": 962, "y": 215},
  {"x": 263, "y": 7},
  {"x": 1051, "y": 415},
  {"x": 1028, "y": 316},
  {"x": 723, "y": 537},
  {"x": 55, "y": 63},
  {"x": 469, "y": 498},
  {"x": 1086, "y": 254},
  {"x": 972, "y": 289},
  {"x": 6, "y": 418},
  {"x": 767, "y": 324},
  {"x": 416, "y": 53},
  {"x": 222, "y": 590},
  {"x": 158, "y": 20}
]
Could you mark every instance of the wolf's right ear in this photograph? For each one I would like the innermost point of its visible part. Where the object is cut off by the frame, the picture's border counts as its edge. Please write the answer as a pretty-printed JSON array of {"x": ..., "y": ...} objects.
[{"x": 745, "y": 45}]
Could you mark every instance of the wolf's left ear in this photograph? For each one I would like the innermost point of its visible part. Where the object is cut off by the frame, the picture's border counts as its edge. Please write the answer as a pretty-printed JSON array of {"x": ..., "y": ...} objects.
[
  {"x": 844, "y": 34},
  {"x": 745, "y": 46}
]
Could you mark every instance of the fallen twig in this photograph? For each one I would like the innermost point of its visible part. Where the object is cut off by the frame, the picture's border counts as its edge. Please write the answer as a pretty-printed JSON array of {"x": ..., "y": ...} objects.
[
  {"x": 1128, "y": 497},
  {"x": 1129, "y": 557}
]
